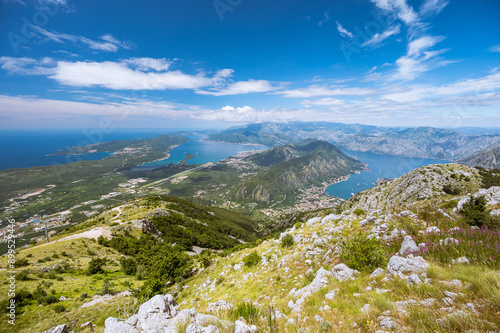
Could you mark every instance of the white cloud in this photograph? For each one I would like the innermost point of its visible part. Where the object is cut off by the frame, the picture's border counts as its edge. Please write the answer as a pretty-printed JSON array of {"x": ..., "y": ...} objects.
[
  {"x": 488, "y": 84},
  {"x": 398, "y": 8},
  {"x": 241, "y": 87},
  {"x": 27, "y": 66},
  {"x": 377, "y": 39},
  {"x": 108, "y": 43},
  {"x": 343, "y": 32},
  {"x": 417, "y": 46},
  {"x": 248, "y": 114},
  {"x": 327, "y": 101},
  {"x": 145, "y": 64},
  {"x": 432, "y": 7},
  {"x": 495, "y": 48},
  {"x": 39, "y": 108},
  {"x": 317, "y": 90},
  {"x": 118, "y": 76}
]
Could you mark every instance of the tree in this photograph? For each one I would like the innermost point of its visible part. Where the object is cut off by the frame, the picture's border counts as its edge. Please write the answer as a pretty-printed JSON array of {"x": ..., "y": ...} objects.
[
  {"x": 95, "y": 266},
  {"x": 475, "y": 213}
]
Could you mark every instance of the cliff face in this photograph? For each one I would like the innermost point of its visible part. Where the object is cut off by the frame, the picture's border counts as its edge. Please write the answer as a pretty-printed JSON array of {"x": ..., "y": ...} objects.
[{"x": 488, "y": 158}]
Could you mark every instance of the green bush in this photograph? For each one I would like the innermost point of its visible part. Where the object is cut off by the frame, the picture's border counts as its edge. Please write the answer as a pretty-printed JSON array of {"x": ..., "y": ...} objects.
[
  {"x": 252, "y": 259},
  {"x": 362, "y": 253},
  {"x": 95, "y": 266},
  {"x": 475, "y": 213},
  {"x": 298, "y": 225},
  {"x": 23, "y": 275},
  {"x": 129, "y": 265},
  {"x": 450, "y": 189},
  {"x": 40, "y": 295},
  {"x": 287, "y": 241},
  {"x": 142, "y": 272},
  {"x": 107, "y": 284},
  {"x": 59, "y": 308},
  {"x": 359, "y": 212},
  {"x": 83, "y": 296},
  {"x": 21, "y": 262}
]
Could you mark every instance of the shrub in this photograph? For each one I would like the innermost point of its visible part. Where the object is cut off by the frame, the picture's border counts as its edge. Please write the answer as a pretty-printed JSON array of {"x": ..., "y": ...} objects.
[
  {"x": 142, "y": 272},
  {"x": 95, "y": 266},
  {"x": 219, "y": 280},
  {"x": 252, "y": 259},
  {"x": 23, "y": 275},
  {"x": 362, "y": 253},
  {"x": 40, "y": 295},
  {"x": 107, "y": 284},
  {"x": 450, "y": 189},
  {"x": 83, "y": 296},
  {"x": 475, "y": 213},
  {"x": 298, "y": 225},
  {"x": 59, "y": 308},
  {"x": 359, "y": 212},
  {"x": 21, "y": 262},
  {"x": 55, "y": 256},
  {"x": 287, "y": 241},
  {"x": 129, "y": 266}
]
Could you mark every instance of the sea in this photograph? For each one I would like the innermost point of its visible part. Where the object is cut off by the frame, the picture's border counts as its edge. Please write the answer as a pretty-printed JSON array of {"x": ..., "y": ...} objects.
[{"x": 21, "y": 149}]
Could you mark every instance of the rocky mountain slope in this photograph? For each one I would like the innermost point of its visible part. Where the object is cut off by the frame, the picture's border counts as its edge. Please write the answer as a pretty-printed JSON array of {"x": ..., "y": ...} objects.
[
  {"x": 368, "y": 266},
  {"x": 488, "y": 158},
  {"x": 285, "y": 169}
]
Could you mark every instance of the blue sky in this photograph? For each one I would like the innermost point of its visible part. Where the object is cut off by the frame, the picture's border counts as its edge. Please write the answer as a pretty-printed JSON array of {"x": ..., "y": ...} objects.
[{"x": 213, "y": 64}]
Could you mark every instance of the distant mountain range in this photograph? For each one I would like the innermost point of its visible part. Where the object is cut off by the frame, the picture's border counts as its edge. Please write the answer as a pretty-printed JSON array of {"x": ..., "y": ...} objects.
[
  {"x": 488, "y": 158},
  {"x": 423, "y": 142}
]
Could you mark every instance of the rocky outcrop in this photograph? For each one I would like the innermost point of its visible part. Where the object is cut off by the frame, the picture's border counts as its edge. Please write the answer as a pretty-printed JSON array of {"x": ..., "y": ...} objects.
[
  {"x": 420, "y": 184},
  {"x": 147, "y": 227},
  {"x": 161, "y": 314}
]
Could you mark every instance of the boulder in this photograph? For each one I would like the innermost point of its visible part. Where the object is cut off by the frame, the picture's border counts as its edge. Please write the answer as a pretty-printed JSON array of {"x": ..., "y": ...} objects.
[
  {"x": 114, "y": 325},
  {"x": 219, "y": 306},
  {"x": 398, "y": 265},
  {"x": 241, "y": 327},
  {"x": 408, "y": 246},
  {"x": 413, "y": 279},
  {"x": 193, "y": 328},
  {"x": 376, "y": 273},
  {"x": 343, "y": 273},
  {"x": 58, "y": 329},
  {"x": 157, "y": 312},
  {"x": 320, "y": 281}
]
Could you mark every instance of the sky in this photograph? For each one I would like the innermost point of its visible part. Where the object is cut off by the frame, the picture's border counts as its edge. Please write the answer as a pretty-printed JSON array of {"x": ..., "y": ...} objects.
[{"x": 220, "y": 63}]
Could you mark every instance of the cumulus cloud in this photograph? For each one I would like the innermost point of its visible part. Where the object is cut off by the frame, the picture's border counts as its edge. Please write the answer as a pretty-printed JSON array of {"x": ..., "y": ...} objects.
[{"x": 116, "y": 75}]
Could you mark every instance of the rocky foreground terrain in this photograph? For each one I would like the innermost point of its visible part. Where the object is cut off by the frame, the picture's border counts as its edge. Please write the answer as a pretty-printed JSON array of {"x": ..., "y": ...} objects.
[{"x": 400, "y": 257}]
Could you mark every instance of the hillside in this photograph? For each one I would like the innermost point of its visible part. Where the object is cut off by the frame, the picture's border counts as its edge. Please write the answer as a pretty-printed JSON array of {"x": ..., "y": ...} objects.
[
  {"x": 425, "y": 183},
  {"x": 284, "y": 170},
  {"x": 488, "y": 158},
  {"x": 424, "y": 142},
  {"x": 415, "y": 267}
]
